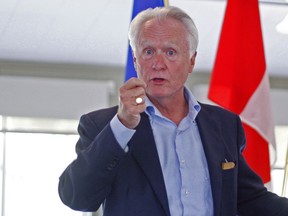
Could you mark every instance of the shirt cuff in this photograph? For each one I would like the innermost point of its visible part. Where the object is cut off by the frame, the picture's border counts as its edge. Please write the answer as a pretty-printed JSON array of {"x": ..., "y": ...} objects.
[{"x": 121, "y": 133}]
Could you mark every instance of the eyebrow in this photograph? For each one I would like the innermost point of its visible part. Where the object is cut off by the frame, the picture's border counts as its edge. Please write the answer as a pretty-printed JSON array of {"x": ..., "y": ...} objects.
[{"x": 166, "y": 44}]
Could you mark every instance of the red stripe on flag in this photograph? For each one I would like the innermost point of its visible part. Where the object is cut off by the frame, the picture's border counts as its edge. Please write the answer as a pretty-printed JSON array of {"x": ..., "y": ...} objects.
[
  {"x": 240, "y": 60},
  {"x": 238, "y": 71},
  {"x": 257, "y": 153}
]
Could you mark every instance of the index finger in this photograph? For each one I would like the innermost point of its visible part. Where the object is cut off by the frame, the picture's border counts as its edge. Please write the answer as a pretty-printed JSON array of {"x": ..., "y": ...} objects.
[{"x": 134, "y": 82}]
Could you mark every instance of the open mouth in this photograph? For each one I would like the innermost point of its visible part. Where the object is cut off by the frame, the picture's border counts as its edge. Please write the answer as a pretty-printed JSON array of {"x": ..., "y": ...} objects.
[{"x": 158, "y": 79}]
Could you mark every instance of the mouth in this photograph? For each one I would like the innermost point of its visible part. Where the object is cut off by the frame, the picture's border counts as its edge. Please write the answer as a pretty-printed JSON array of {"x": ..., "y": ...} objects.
[{"x": 158, "y": 80}]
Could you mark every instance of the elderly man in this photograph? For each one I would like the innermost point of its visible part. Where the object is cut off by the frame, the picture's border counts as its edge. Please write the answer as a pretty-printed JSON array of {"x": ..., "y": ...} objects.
[{"x": 160, "y": 152}]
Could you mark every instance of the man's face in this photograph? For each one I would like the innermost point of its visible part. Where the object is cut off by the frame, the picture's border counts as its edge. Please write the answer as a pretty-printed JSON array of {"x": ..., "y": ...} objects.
[{"x": 162, "y": 59}]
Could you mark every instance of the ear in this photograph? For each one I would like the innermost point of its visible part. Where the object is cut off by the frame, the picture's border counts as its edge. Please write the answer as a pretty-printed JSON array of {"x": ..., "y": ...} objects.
[
  {"x": 192, "y": 61},
  {"x": 133, "y": 54},
  {"x": 134, "y": 59},
  {"x": 193, "y": 58}
]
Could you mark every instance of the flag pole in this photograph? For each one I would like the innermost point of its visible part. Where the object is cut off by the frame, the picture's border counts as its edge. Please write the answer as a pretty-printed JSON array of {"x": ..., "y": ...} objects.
[{"x": 166, "y": 2}]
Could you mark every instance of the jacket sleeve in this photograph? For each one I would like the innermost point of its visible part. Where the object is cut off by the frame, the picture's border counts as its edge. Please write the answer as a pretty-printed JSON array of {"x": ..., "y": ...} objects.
[
  {"x": 87, "y": 181},
  {"x": 253, "y": 197}
]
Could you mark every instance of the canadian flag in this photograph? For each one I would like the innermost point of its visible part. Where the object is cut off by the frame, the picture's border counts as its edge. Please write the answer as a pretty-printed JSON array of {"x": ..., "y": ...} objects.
[{"x": 240, "y": 83}]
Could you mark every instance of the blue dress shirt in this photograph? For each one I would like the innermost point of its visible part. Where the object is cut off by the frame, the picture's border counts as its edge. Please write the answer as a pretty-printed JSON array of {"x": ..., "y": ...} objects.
[{"x": 182, "y": 159}]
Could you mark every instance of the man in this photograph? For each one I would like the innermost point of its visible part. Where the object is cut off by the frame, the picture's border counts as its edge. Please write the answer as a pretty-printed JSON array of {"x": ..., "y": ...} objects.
[{"x": 160, "y": 152}]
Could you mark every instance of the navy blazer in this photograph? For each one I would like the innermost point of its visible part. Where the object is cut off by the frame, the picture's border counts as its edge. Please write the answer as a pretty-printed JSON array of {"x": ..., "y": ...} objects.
[{"x": 131, "y": 183}]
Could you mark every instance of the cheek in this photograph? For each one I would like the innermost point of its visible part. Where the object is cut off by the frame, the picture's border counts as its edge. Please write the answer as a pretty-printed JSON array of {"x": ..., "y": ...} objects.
[
  {"x": 141, "y": 72},
  {"x": 180, "y": 75},
  {"x": 142, "y": 69}
]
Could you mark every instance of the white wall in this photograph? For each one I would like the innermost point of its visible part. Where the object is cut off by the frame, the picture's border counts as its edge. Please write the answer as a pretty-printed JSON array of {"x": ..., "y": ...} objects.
[
  {"x": 65, "y": 91},
  {"x": 52, "y": 97},
  {"x": 69, "y": 98}
]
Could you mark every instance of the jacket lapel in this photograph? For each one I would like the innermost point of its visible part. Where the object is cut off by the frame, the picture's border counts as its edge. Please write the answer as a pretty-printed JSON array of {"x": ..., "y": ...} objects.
[
  {"x": 144, "y": 151},
  {"x": 214, "y": 150}
]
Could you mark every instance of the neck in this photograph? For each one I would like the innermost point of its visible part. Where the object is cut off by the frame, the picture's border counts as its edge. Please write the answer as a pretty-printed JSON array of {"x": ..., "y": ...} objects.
[{"x": 175, "y": 109}]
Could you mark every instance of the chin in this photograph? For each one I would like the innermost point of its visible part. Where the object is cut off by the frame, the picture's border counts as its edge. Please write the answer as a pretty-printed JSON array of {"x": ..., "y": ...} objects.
[{"x": 157, "y": 94}]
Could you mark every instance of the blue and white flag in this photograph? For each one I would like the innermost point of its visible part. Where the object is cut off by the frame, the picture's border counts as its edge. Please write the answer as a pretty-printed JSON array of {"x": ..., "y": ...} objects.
[{"x": 138, "y": 6}]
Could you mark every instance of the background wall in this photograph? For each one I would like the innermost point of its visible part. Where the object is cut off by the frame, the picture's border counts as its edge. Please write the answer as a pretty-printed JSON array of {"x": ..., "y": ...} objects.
[{"x": 82, "y": 88}]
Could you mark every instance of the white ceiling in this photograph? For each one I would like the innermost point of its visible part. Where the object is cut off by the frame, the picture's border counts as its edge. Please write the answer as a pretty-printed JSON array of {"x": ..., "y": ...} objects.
[{"x": 95, "y": 31}]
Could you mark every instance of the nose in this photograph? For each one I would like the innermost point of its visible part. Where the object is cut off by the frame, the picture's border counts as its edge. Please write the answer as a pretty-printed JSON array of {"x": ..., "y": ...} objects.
[{"x": 159, "y": 62}]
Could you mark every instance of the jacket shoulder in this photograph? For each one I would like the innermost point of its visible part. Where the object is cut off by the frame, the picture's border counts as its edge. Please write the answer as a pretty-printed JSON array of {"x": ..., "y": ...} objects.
[
  {"x": 108, "y": 112},
  {"x": 216, "y": 109},
  {"x": 102, "y": 116}
]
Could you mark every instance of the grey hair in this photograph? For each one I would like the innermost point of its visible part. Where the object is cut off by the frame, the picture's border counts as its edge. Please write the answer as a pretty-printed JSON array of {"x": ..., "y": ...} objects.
[{"x": 163, "y": 13}]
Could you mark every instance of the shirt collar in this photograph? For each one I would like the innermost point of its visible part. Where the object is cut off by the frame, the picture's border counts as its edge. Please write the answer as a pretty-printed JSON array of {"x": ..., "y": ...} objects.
[{"x": 194, "y": 106}]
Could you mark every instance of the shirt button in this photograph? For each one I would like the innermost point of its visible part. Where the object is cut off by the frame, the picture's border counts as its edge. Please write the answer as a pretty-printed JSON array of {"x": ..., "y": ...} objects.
[
  {"x": 183, "y": 161},
  {"x": 187, "y": 193}
]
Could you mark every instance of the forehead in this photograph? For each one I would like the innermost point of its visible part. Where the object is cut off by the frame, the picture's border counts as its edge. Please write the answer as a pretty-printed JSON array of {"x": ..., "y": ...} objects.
[
  {"x": 163, "y": 30},
  {"x": 163, "y": 25}
]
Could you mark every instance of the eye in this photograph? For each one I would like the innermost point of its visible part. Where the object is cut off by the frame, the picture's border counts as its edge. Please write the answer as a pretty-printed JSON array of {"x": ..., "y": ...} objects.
[
  {"x": 171, "y": 52},
  {"x": 148, "y": 51}
]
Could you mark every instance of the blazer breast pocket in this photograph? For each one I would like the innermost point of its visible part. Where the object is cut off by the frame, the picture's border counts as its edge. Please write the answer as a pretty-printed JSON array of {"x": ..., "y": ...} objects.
[{"x": 229, "y": 170}]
